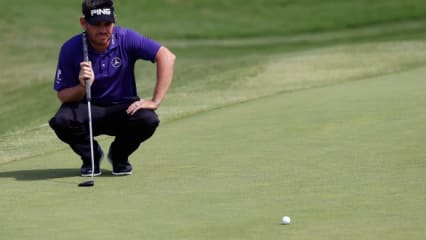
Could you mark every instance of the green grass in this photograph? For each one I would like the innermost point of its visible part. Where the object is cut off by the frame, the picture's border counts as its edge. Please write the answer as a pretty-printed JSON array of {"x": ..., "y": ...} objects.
[
  {"x": 344, "y": 161},
  {"x": 311, "y": 109}
]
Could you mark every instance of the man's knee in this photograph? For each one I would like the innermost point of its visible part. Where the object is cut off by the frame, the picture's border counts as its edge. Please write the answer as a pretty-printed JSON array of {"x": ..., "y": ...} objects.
[
  {"x": 57, "y": 123},
  {"x": 63, "y": 122},
  {"x": 146, "y": 118},
  {"x": 67, "y": 129}
]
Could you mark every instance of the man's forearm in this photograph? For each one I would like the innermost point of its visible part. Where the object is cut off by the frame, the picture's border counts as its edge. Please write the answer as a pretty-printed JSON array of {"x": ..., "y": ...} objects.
[
  {"x": 72, "y": 94},
  {"x": 165, "y": 64}
]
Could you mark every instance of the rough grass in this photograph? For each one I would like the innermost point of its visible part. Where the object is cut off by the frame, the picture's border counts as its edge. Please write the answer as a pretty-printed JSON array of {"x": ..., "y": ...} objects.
[
  {"x": 31, "y": 41},
  {"x": 239, "y": 80}
]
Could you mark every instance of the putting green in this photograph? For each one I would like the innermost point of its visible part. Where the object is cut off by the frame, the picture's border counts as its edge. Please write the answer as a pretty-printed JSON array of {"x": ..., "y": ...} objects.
[{"x": 344, "y": 161}]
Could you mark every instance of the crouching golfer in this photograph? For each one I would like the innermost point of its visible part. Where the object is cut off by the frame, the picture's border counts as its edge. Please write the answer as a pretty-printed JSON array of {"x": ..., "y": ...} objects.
[{"x": 116, "y": 108}]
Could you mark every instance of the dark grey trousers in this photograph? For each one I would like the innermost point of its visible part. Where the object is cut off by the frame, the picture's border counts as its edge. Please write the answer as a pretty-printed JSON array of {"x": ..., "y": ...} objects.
[{"x": 71, "y": 125}]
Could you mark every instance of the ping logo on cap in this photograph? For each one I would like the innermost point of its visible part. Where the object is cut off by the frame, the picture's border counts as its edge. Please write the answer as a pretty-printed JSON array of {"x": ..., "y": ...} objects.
[{"x": 100, "y": 12}]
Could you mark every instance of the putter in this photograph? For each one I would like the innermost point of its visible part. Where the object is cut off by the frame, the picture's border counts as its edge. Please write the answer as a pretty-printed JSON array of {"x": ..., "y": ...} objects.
[{"x": 91, "y": 182}]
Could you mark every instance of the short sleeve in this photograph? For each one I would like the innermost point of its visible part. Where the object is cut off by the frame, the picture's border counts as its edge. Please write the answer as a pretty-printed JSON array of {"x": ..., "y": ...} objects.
[
  {"x": 141, "y": 47},
  {"x": 65, "y": 76}
]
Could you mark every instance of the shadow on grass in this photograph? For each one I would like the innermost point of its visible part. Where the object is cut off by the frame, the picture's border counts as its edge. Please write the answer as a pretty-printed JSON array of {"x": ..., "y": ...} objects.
[
  {"x": 40, "y": 174},
  {"x": 45, "y": 174}
]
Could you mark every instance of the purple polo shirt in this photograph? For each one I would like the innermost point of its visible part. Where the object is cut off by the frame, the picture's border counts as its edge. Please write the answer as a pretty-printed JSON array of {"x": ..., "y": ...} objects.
[{"x": 114, "y": 69}]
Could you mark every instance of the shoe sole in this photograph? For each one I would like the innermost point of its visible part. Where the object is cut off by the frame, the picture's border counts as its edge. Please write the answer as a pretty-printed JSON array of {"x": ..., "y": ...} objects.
[
  {"x": 121, "y": 173},
  {"x": 89, "y": 175}
]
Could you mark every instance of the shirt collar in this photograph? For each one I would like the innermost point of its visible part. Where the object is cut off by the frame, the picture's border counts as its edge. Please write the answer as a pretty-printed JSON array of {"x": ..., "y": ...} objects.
[{"x": 114, "y": 40}]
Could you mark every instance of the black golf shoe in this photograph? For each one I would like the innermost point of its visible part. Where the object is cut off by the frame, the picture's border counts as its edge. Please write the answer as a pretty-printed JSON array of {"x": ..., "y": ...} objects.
[
  {"x": 119, "y": 168},
  {"x": 122, "y": 169},
  {"x": 86, "y": 168}
]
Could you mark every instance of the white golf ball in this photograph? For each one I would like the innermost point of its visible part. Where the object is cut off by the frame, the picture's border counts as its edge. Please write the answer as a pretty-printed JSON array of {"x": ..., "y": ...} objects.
[{"x": 285, "y": 220}]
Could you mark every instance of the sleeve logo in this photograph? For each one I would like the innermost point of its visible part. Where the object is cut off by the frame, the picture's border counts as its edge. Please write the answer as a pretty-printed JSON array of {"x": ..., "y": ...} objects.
[{"x": 58, "y": 76}]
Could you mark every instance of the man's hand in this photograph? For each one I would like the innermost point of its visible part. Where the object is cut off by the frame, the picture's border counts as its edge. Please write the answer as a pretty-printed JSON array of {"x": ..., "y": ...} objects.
[
  {"x": 86, "y": 72},
  {"x": 141, "y": 104}
]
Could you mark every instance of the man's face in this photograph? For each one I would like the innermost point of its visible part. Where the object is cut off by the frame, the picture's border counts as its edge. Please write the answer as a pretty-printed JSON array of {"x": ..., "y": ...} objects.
[{"x": 99, "y": 34}]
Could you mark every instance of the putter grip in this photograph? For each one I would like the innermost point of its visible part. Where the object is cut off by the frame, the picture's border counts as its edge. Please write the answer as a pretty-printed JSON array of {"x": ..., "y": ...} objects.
[
  {"x": 86, "y": 59},
  {"x": 88, "y": 93},
  {"x": 85, "y": 50}
]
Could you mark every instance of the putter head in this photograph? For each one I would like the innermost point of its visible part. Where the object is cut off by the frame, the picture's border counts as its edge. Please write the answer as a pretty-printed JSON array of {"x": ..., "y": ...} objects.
[{"x": 90, "y": 183}]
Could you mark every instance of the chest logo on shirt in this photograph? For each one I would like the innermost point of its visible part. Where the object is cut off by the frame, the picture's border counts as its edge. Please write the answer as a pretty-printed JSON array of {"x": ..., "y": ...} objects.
[{"x": 116, "y": 62}]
